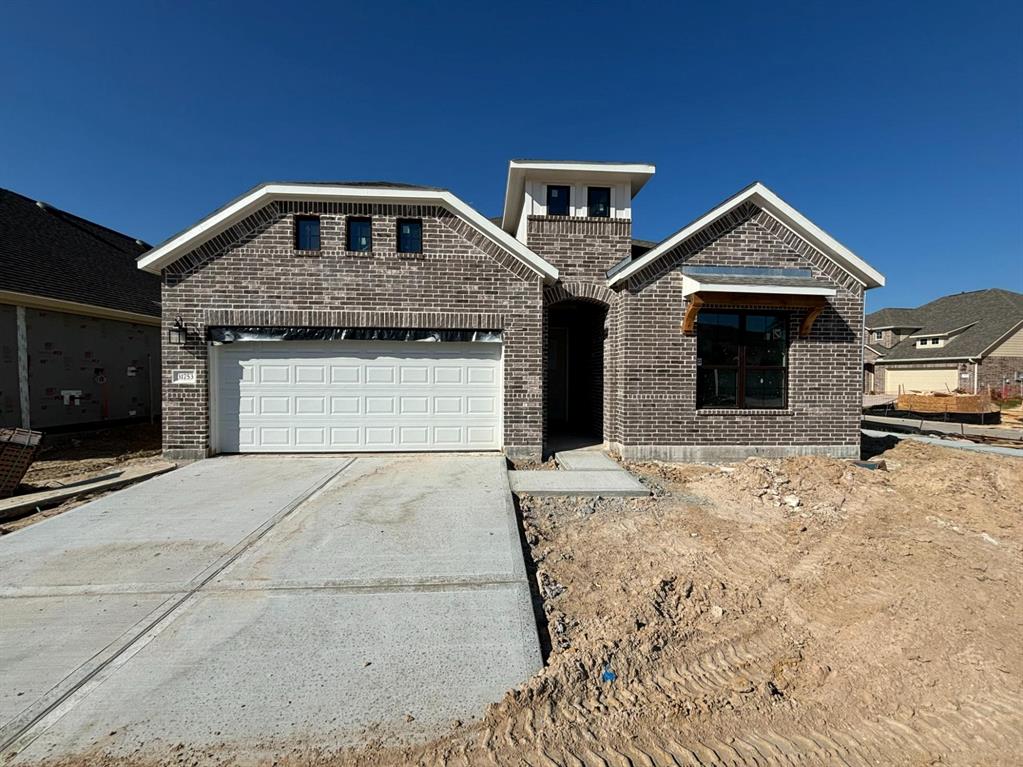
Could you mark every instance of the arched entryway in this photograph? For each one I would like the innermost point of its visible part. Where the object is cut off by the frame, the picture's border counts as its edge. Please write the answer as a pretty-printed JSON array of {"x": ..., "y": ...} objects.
[{"x": 575, "y": 373}]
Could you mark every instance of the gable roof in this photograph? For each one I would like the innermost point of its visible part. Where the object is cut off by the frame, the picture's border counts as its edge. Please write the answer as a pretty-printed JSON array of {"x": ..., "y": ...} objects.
[
  {"x": 55, "y": 255},
  {"x": 983, "y": 317},
  {"x": 366, "y": 191},
  {"x": 759, "y": 195}
]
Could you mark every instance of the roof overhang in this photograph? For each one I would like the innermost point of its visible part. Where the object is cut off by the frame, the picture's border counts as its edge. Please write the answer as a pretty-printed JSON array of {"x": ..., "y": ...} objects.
[
  {"x": 764, "y": 198},
  {"x": 166, "y": 253},
  {"x": 636, "y": 174},
  {"x": 46, "y": 303},
  {"x": 705, "y": 285}
]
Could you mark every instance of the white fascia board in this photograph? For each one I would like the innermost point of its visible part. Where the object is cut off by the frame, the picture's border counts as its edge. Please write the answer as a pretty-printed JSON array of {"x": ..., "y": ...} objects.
[
  {"x": 637, "y": 168},
  {"x": 928, "y": 359},
  {"x": 164, "y": 254},
  {"x": 876, "y": 351},
  {"x": 789, "y": 216},
  {"x": 691, "y": 285},
  {"x": 514, "y": 190}
]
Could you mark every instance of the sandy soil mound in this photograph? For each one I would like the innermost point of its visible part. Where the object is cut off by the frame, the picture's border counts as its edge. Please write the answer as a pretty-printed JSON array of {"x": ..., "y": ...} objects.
[{"x": 802, "y": 611}]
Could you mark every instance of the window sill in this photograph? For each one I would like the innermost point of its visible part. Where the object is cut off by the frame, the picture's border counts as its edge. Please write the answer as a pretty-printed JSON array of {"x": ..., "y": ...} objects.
[
  {"x": 744, "y": 411},
  {"x": 307, "y": 253}
]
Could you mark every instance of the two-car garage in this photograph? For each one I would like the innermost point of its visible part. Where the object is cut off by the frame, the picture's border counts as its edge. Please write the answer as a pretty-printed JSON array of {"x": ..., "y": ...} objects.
[
  {"x": 899, "y": 380},
  {"x": 355, "y": 396}
]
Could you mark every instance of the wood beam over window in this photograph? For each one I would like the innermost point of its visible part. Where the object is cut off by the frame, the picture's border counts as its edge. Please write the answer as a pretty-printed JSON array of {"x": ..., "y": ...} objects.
[{"x": 814, "y": 304}]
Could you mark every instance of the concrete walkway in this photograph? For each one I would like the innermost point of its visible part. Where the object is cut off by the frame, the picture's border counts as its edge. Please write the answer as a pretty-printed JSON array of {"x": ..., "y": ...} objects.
[
  {"x": 585, "y": 472},
  {"x": 942, "y": 427},
  {"x": 1010, "y": 452},
  {"x": 247, "y": 604}
]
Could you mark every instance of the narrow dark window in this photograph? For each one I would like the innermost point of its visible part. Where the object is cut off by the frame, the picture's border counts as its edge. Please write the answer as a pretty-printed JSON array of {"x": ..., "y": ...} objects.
[
  {"x": 742, "y": 359},
  {"x": 307, "y": 232},
  {"x": 598, "y": 201},
  {"x": 410, "y": 235},
  {"x": 360, "y": 235},
  {"x": 557, "y": 200}
]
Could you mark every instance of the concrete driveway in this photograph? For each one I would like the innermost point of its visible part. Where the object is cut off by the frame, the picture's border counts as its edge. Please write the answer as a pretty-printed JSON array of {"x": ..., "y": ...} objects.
[{"x": 255, "y": 603}]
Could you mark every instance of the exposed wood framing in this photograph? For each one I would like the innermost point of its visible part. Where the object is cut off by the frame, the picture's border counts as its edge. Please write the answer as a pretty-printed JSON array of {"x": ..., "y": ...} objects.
[
  {"x": 811, "y": 317},
  {"x": 689, "y": 321},
  {"x": 815, "y": 304}
]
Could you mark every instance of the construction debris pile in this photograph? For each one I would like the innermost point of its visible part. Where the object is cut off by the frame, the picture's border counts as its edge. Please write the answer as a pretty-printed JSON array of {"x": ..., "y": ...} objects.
[{"x": 946, "y": 402}]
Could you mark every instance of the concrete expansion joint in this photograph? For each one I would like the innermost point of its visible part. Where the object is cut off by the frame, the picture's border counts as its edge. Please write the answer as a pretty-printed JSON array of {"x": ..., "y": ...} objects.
[
  {"x": 22, "y": 730},
  {"x": 370, "y": 587}
]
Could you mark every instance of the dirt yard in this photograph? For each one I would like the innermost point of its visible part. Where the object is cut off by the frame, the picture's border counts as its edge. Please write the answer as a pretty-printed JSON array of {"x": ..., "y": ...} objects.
[
  {"x": 802, "y": 611},
  {"x": 67, "y": 459},
  {"x": 750, "y": 613}
]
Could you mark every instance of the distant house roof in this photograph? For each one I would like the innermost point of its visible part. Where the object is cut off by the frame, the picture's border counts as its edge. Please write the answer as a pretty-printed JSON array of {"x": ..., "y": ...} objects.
[
  {"x": 890, "y": 318},
  {"x": 49, "y": 253},
  {"x": 972, "y": 324}
]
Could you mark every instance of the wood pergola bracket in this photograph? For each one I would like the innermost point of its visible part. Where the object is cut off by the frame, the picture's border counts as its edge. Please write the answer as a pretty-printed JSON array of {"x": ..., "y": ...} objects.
[{"x": 814, "y": 304}]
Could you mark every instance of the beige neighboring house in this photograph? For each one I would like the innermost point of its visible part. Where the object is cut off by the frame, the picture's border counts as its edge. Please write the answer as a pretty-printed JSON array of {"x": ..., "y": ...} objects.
[{"x": 967, "y": 341}]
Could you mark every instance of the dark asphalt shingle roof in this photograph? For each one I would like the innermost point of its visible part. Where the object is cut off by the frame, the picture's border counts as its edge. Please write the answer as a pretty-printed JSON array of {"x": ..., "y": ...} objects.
[
  {"x": 890, "y": 318},
  {"x": 990, "y": 315},
  {"x": 51, "y": 253}
]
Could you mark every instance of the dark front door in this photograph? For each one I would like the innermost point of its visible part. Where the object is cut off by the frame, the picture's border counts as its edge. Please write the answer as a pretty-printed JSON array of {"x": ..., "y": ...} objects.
[{"x": 557, "y": 376}]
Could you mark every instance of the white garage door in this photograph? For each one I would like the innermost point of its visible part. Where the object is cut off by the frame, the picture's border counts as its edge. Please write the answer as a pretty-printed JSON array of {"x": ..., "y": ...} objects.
[
  {"x": 937, "y": 379},
  {"x": 321, "y": 396}
]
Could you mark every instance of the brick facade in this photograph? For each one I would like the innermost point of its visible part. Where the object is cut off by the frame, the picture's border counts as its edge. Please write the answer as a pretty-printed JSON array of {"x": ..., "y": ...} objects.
[
  {"x": 252, "y": 275},
  {"x": 995, "y": 371},
  {"x": 658, "y": 417},
  {"x": 583, "y": 250}
]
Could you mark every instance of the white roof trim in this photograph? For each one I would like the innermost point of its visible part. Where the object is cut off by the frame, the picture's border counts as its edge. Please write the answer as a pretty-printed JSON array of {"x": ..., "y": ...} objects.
[
  {"x": 929, "y": 359},
  {"x": 168, "y": 252},
  {"x": 763, "y": 197},
  {"x": 638, "y": 173},
  {"x": 692, "y": 285},
  {"x": 641, "y": 168}
]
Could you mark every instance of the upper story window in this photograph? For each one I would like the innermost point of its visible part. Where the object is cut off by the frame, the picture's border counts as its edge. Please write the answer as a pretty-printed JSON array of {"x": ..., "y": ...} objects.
[
  {"x": 558, "y": 200},
  {"x": 598, "y": 201},
  {"x": 742, "y": 359},
  {"x": 410, "y": 235},
  {"x": 307, "y": 232},
  {"x": 360, "y": 234},
  {"x": 878, "y": 335},
  {"x": 922, "y": 342}
]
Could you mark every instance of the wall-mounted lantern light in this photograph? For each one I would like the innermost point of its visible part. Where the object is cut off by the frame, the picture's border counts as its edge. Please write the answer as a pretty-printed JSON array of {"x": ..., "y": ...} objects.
[{"x": 177, "y": 333}]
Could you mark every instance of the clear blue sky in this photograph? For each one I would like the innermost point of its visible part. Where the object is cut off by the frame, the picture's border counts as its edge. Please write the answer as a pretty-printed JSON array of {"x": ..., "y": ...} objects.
[{"x": 898, "y": 127}]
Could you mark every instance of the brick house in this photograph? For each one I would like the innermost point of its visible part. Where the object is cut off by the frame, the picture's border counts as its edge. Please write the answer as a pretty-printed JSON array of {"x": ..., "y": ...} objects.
[
  {"x": 969, "y": 341},
  {"x": 374, "y": 316}
]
